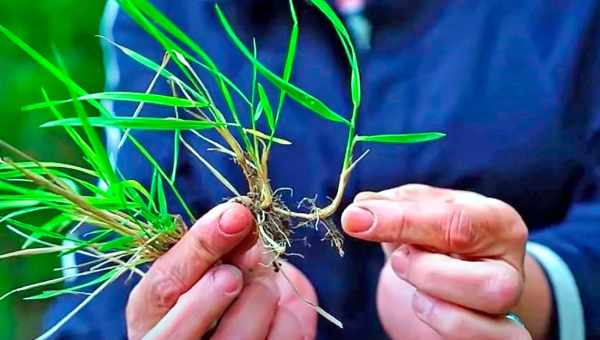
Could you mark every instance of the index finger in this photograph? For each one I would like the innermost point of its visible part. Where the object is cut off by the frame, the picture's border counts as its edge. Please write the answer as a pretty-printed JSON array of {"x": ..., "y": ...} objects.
[
  {"x": 470, "y": 228},
  {"x": 174, "y": 273}
]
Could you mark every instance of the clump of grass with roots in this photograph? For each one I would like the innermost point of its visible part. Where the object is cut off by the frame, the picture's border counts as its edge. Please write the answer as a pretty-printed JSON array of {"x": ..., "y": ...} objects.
[{"x": 132, "y": 223}]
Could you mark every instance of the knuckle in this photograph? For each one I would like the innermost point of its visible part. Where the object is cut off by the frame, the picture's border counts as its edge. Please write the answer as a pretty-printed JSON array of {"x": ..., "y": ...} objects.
[
  {"x": 454, "y": 327},
  {"x": 460, "y": 232},
  {"x": 519, "y": 232},
  {"x": 402, "y": 223},
  {"x": 203, "y": 250},
  {"x": 503, "y": 291},
  {"x": 164, "y": 289},
  {"x": 426, "y": 280},
  {"x": 448, "y": 323}
]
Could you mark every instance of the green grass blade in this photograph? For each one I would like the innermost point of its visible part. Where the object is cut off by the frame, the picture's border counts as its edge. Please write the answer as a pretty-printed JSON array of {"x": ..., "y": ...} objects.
[
  {"x": 138, "y": 97},
  {"x": 265, "y": 137},
  {"x": 61, "y": 76},
  {"x": 84, "y": 303},
  {"x": 104, "y": 164},
  {"x": 51, "y": 165},
  {"x": 122, "y": 243},
  {"x": 75, "y": 136},
  {"x": 17, "y": 204},
  {"x": 223, "y": 78},
  {"x": 140, "y": 7},
  {"x": 176, "y": 149},
  {"x": 144, "y": 6},
  {"x": 300, "y": 96},
  {"x": 157, "y": 167},
  {"x": 100, "y": 156},
  {"x": 55, "y": 71},
  {"x": 211, "y": 168},
  {"x": 157, "y": 124},
  {"x": 52, "y": 293},
  {"x": 148, "y": 63},
  {"x": 255, "y": 109},
  {"x": 266, "y": 107},
  {"x": 408, "y": 138},
  {"x": 290, "y": 57},
  {"x": 58, "y": 222},
  {"x": 42, "y": 232},
  {"x": 161, "y": 197},
  {"x": 346, "y": 40}
]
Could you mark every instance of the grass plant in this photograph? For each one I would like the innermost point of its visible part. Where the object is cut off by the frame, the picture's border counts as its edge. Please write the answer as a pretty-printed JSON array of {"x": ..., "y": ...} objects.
[{"x": 133, "y": 224}]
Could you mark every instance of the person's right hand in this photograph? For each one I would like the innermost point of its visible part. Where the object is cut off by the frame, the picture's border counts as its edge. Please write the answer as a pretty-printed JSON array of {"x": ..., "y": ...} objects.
[{"x": 187, "y": 290}]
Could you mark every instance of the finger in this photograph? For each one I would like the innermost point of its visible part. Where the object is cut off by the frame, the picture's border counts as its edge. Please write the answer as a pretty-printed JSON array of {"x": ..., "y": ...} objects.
[
  {"x": 198, "y": 308},
  {"x": 252, "y": 313},
  {"x": 490, "y": 286},
  {"x": 480, "y": 228},
  {"x": 394, "y": 301},
  {"x": 253, "y": 261},
  {"x": 286, "y": 325},
  {"x": 212, "y": 236},
  {"x": 293, "y": 310},
  {"x": 456, "y": 323},
  {"x": 409, "y": 192}
]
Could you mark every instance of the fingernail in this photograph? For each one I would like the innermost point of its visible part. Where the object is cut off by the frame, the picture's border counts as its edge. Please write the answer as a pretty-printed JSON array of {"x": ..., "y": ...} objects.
[
  {"x": 422, "y": 304},
  {"x": 399, "y": 261},
  {"x": 357, "y": 220},
  {"x": 234, "y": 220},
  {"x": 228, "y": 278}
]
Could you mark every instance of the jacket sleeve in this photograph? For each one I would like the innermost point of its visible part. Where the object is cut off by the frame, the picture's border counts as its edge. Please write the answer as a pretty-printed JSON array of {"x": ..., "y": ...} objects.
[{"x": 569, "y": 253}]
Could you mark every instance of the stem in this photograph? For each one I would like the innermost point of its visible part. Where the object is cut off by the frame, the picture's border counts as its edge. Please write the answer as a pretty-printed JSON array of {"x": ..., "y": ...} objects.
[{"x": 329, "y": 210}]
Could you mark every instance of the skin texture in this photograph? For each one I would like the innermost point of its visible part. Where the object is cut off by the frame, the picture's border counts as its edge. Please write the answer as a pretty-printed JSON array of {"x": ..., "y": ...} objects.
[
  {"x": 189, "y": 289},
  {"x": 456, "y": 264}
]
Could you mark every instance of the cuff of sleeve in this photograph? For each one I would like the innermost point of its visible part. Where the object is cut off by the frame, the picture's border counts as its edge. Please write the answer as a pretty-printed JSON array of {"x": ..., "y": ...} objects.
[{"x": 567, "y": 301}]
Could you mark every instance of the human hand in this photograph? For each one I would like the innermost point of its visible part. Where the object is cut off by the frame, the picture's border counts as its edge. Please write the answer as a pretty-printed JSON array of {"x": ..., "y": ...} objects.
[
  {"x": 188, "y": 290},
  {"x": 456, "y": 261}
]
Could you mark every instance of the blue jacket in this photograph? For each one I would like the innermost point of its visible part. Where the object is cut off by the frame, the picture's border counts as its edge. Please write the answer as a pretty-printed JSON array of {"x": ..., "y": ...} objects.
[{"x": 514, "y": 84}]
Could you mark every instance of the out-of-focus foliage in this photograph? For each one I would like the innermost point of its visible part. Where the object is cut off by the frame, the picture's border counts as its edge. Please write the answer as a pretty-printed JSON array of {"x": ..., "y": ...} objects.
[{"x": 69, "y": 26}]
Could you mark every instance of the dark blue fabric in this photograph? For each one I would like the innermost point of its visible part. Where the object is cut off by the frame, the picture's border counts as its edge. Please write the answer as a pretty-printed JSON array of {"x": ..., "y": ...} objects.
[{"x": 514, "y": 84}]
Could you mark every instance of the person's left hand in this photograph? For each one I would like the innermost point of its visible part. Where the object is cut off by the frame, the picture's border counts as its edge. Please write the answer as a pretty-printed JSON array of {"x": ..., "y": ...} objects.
[{"x": 455, "y": 261}]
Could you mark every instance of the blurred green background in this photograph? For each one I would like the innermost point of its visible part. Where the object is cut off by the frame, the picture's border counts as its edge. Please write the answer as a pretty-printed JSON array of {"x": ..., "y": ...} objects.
[{"x": 70, "y": 26}]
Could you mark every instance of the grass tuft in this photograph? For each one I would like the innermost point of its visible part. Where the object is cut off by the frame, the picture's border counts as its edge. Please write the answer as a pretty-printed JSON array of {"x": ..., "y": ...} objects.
[{"x": 133, "y": 224}]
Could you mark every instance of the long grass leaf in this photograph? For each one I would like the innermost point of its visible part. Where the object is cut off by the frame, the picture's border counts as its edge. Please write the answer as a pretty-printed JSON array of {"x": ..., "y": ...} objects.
[
  {"x": 265, "y": 137},
  {"x": 346, "y": 41},
  {"x": 161, "y": 197},
  {"x": 100, "y": 155},
  {"x": 300, "y": 96},
  {"x": 165, "y": 23},
  {"x": 290, "y": 57},
  {"x": 148, "y": 98},
  {"x": 148, "y": 63},
  {"x": 34, "y": 251},
  {"x": 408, "y": 138},
  {"x": 157, "y": 167},
  {"x": 84, "y": 303},
  {"x": 105, "y": 113},
  {"x": 212, "y": 169},
  {"x": 266, "y": 105},
  {"x": 161, "y": 124}
]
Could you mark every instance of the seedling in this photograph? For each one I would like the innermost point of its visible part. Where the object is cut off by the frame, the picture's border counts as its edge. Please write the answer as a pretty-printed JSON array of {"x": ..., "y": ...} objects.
[{"x": 133, "y": 224}]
